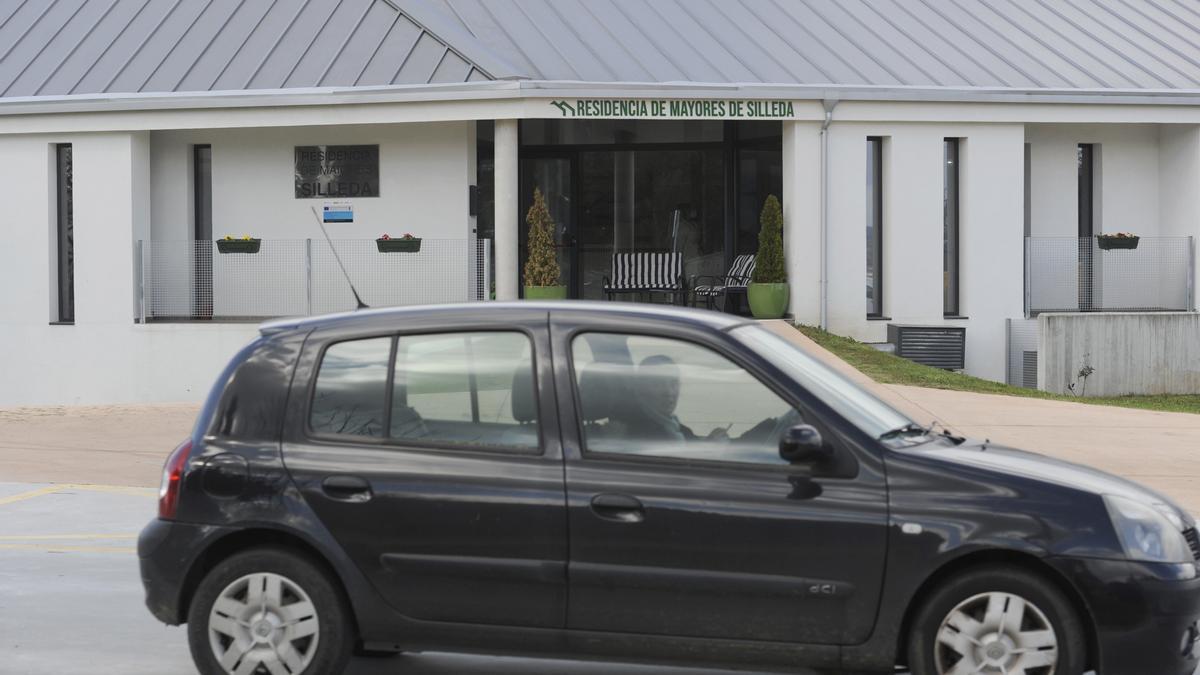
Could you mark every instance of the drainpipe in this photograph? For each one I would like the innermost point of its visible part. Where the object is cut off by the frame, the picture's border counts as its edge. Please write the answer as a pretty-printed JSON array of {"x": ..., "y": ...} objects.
[{"x": 829, "y": 105}]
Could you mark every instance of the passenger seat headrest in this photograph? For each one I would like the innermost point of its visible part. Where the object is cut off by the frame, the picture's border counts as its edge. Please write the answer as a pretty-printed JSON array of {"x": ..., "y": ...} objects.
[{"x": 524, "y": 403}]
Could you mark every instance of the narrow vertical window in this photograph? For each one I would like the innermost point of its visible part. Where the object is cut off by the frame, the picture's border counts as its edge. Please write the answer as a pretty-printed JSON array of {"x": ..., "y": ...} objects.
[
  {"x": 66, "y": 235},
  {"x": 950, "y": 255},
  {"x": 874, "y": 226},
  {"x": 1085, "y": 154},
  {"x": 202, "y": 300}
]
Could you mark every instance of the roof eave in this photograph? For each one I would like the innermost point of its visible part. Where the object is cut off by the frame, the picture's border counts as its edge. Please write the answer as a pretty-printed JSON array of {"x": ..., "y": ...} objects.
[{"x": 516, "y": 89}]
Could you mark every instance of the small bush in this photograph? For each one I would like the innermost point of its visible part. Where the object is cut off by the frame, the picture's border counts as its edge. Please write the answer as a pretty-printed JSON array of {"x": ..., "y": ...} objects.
[
  {"x": 769, "y": 266},
  {"x": 541, "y": 267}
]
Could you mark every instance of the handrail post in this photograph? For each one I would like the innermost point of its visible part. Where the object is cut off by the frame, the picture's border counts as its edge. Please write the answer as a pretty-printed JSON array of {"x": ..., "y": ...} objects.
[
  {"x": 308, "y": 285},
  {"x": 141, "y": 274},
  {"x": 1028, "y": 277},
  {"x": 1191, "y": 275}
]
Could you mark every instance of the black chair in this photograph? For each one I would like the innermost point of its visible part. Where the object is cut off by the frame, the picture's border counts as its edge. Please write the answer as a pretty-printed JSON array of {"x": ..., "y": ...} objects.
[
  {"x": 733, "y": 282},
  {"x": 646, "y": 273}
]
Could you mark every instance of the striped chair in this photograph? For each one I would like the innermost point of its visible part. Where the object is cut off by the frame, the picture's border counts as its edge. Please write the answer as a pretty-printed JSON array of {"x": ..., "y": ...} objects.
[
  {"x": 646, "y": 273},
  {"x": 711, "y": 287}
]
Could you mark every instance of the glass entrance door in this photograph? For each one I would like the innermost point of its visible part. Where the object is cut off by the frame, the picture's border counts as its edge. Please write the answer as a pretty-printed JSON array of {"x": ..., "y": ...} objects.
[{"x": 553, "y": 175}]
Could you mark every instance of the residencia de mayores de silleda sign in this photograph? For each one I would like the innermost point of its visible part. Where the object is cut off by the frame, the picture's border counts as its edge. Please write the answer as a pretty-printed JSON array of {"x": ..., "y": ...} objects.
[{"x": 719, "y": 108}]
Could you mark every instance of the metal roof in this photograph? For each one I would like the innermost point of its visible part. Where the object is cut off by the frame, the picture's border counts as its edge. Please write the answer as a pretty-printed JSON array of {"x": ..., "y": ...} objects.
[
  {"x": 1074, "y": 44},
  {"x": 58, "y": 47},
  {"x": 52, "y": 48}
]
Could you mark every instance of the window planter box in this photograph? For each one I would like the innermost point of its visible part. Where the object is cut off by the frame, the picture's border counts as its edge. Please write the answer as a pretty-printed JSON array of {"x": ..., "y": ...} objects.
[
  {"x": 238, "y": 245},
  {"x": 398, "y": 245},
  {"x": 1110, "y": 243}
]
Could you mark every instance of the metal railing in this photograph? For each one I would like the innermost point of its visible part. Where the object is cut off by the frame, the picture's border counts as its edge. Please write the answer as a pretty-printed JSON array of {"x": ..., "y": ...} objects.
[
  {"x": 1075, "y": 274},
  {"x": 192, "y": 281}
]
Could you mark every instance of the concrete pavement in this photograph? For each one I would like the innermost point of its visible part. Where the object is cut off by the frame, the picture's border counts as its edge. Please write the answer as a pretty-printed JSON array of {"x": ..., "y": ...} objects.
[
  {"x": 1158, "y": 449},
  {"x": 71, "y": 597}
]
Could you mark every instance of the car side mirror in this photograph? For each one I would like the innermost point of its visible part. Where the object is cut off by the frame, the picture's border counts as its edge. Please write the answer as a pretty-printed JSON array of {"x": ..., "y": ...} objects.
[{"x": 802, "y": 444}]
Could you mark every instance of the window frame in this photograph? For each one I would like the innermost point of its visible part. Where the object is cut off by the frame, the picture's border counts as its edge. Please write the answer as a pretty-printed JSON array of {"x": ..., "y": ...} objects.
[
  {"x": 952, "y": 227},
  {"x": 828, "y": 430},
  {"x": 875, "y": 144},
  {"x": 64, "y": 224},
  {"x": 418, "y": 445}
]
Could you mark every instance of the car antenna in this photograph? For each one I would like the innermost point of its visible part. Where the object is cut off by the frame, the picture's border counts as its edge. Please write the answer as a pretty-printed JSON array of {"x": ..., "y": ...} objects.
[{"x": 338, "y": 258}]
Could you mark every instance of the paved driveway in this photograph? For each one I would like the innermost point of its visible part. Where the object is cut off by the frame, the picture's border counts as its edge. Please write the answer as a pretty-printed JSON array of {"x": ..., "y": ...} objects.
[
  {"x": 71, "y": 598},
  {"x": 1158, "y": 449}
]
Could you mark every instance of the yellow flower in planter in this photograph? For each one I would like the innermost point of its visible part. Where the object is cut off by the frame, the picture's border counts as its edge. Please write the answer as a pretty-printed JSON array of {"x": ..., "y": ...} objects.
[
  {"x": 245, "y": 237},
  {"x": 228, "y": 237}
]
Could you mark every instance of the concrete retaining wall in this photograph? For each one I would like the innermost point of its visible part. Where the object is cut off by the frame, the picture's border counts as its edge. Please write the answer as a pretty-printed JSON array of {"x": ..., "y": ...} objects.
[{"x": 1148, "y": 353}]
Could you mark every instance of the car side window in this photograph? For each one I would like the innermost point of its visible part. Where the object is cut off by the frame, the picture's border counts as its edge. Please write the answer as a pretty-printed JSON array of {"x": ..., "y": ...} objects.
[
  {"x": 660, "y": 397},
  {"x": 350, "y": 393},
  {"x": 471, "y": 389}
]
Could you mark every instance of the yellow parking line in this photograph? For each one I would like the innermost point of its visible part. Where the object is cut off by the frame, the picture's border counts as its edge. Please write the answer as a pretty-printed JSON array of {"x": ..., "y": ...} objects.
[
  {"x": 22, "y": 496},
  {"x": 115, "y": 489},
  {"x": 63, "y": 537},
  {"x": 67, "y": 549}
]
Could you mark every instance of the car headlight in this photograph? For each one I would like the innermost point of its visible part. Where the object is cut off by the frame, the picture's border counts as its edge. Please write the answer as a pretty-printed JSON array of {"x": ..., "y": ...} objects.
[{"x": 1148, "y": 533}]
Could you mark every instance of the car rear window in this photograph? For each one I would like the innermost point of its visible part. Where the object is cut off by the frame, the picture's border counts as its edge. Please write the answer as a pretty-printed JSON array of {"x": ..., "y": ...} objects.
[
  {"x": 443, "y": 389},
  {"x": 350, "y": 394}
]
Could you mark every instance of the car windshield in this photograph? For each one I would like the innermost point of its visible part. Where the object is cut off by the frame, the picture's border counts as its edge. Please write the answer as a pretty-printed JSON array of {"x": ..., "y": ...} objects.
[{"x": 860, "y": 408}]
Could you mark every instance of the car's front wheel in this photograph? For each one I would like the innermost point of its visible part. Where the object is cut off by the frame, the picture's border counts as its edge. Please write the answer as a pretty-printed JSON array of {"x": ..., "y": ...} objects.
[
  {"x": 269, "y": 611},
  {"x": 997, "y": 621}
]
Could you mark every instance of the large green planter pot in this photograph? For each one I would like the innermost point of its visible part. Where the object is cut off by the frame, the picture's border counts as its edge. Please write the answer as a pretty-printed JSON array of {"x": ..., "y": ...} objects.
[
  {"x": 767, "y": 301},
  {"x": 545, "y": 292}
]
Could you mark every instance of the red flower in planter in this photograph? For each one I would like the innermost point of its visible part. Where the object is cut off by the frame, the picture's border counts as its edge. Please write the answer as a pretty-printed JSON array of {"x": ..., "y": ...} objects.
[{"x": 408, "y": 235}]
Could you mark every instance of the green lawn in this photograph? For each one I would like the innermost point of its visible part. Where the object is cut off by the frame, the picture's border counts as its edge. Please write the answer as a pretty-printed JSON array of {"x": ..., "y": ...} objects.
[{"x": 891, "y": 369}]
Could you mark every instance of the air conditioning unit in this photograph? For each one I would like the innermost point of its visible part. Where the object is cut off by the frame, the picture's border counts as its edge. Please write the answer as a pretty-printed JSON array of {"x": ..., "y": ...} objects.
[{"x": 938, "y": 346}]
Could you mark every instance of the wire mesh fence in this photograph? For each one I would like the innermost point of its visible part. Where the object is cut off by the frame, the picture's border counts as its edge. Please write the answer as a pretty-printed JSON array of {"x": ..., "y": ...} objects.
[
  {"x": 1081, "y": 274},
  {"x": 1022, "y": 341},
  {"x": 192, "y": 280}
]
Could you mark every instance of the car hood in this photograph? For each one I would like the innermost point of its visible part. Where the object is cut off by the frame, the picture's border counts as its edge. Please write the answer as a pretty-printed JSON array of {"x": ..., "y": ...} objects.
[{"x": 1011, "y": 461}]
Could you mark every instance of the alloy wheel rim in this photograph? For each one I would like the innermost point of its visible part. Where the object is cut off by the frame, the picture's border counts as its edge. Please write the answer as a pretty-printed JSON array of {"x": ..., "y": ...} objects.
[
  {"x": 996, "y": 633},
  {"x": 263, "y": 624}
]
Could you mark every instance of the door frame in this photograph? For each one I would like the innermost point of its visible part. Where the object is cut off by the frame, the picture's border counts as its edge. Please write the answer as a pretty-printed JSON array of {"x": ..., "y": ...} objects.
[
  {"x": 571, "y": 231},
  {"x": 868, "y": 455}
]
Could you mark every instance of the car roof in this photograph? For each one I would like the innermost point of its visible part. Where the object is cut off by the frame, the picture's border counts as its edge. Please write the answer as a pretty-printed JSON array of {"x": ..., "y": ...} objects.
[{"x": 617, "y": 310}]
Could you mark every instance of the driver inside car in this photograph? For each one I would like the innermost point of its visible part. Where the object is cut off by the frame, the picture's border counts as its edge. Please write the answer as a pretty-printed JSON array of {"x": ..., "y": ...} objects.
[{"x": 651, "y": 415}]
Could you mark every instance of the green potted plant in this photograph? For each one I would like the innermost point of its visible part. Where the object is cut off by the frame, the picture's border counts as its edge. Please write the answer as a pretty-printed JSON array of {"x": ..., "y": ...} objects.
[
  {"x": 542, "y": 275},
  {"x": 405, "y": 243},
  {"x": 246, "y": 244},
  {"x": 768, "y": 289}
]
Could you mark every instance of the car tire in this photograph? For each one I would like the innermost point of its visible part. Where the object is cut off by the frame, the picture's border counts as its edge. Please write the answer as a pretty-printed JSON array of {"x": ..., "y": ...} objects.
[
  {"x": 269, "y": 604},
  {"x": 966, "y": 609}
]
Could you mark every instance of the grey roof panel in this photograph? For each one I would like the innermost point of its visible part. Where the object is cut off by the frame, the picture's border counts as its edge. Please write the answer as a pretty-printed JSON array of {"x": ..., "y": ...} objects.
[
  {"x": 57, "y": 47},
  {"x": 422, "y": 60},
  {"x": 392, "y": 51},
  {"x": 158, "y": 46},
  {"x": 345, "y": 62}
]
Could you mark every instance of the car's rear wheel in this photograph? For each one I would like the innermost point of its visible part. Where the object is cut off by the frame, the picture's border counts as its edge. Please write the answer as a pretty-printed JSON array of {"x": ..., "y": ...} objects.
[
  {"x": 994, "y": 621},
  {"x": 269, "y": 612}
]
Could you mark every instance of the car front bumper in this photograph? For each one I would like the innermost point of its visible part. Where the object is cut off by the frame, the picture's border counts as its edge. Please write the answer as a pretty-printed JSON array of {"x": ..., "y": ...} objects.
[
  {"x": 166, "y": 554},
  {"x": 1145, "y": 614}
]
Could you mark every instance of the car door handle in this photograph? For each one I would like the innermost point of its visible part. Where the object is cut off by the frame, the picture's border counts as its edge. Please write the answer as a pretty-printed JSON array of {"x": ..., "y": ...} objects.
[
  {"x": 618, "y": 508},
  {"x": 347, "y": 488}
]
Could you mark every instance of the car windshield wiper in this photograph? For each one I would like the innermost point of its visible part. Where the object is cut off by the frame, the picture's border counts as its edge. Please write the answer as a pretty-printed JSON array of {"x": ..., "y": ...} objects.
[
  {"x": 914, "y": 429},
  {"x": 910, "y": 429}
]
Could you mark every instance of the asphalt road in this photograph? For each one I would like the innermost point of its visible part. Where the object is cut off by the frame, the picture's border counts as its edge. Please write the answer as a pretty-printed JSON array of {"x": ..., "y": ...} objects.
[{"x": 71, "y": 598}]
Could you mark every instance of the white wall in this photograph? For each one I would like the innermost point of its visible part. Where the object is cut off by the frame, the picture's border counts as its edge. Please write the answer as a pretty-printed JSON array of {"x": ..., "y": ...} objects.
[
  {"x": 1148, "y": 183},
  {"x": 991, "y": 188},
  {"x": 136, "y": 185},
  {"x": 424, "y": 171}
]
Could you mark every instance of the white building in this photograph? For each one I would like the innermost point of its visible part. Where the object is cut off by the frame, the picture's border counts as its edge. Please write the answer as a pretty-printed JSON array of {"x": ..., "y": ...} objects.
[{"x": 945, "y": 157}]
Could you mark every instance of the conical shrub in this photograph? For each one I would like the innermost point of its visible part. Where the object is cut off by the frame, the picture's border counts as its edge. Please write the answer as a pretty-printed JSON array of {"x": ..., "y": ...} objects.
[
  {"x": 769, "y": 267},
  {"x": 541, "y": 267}
]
